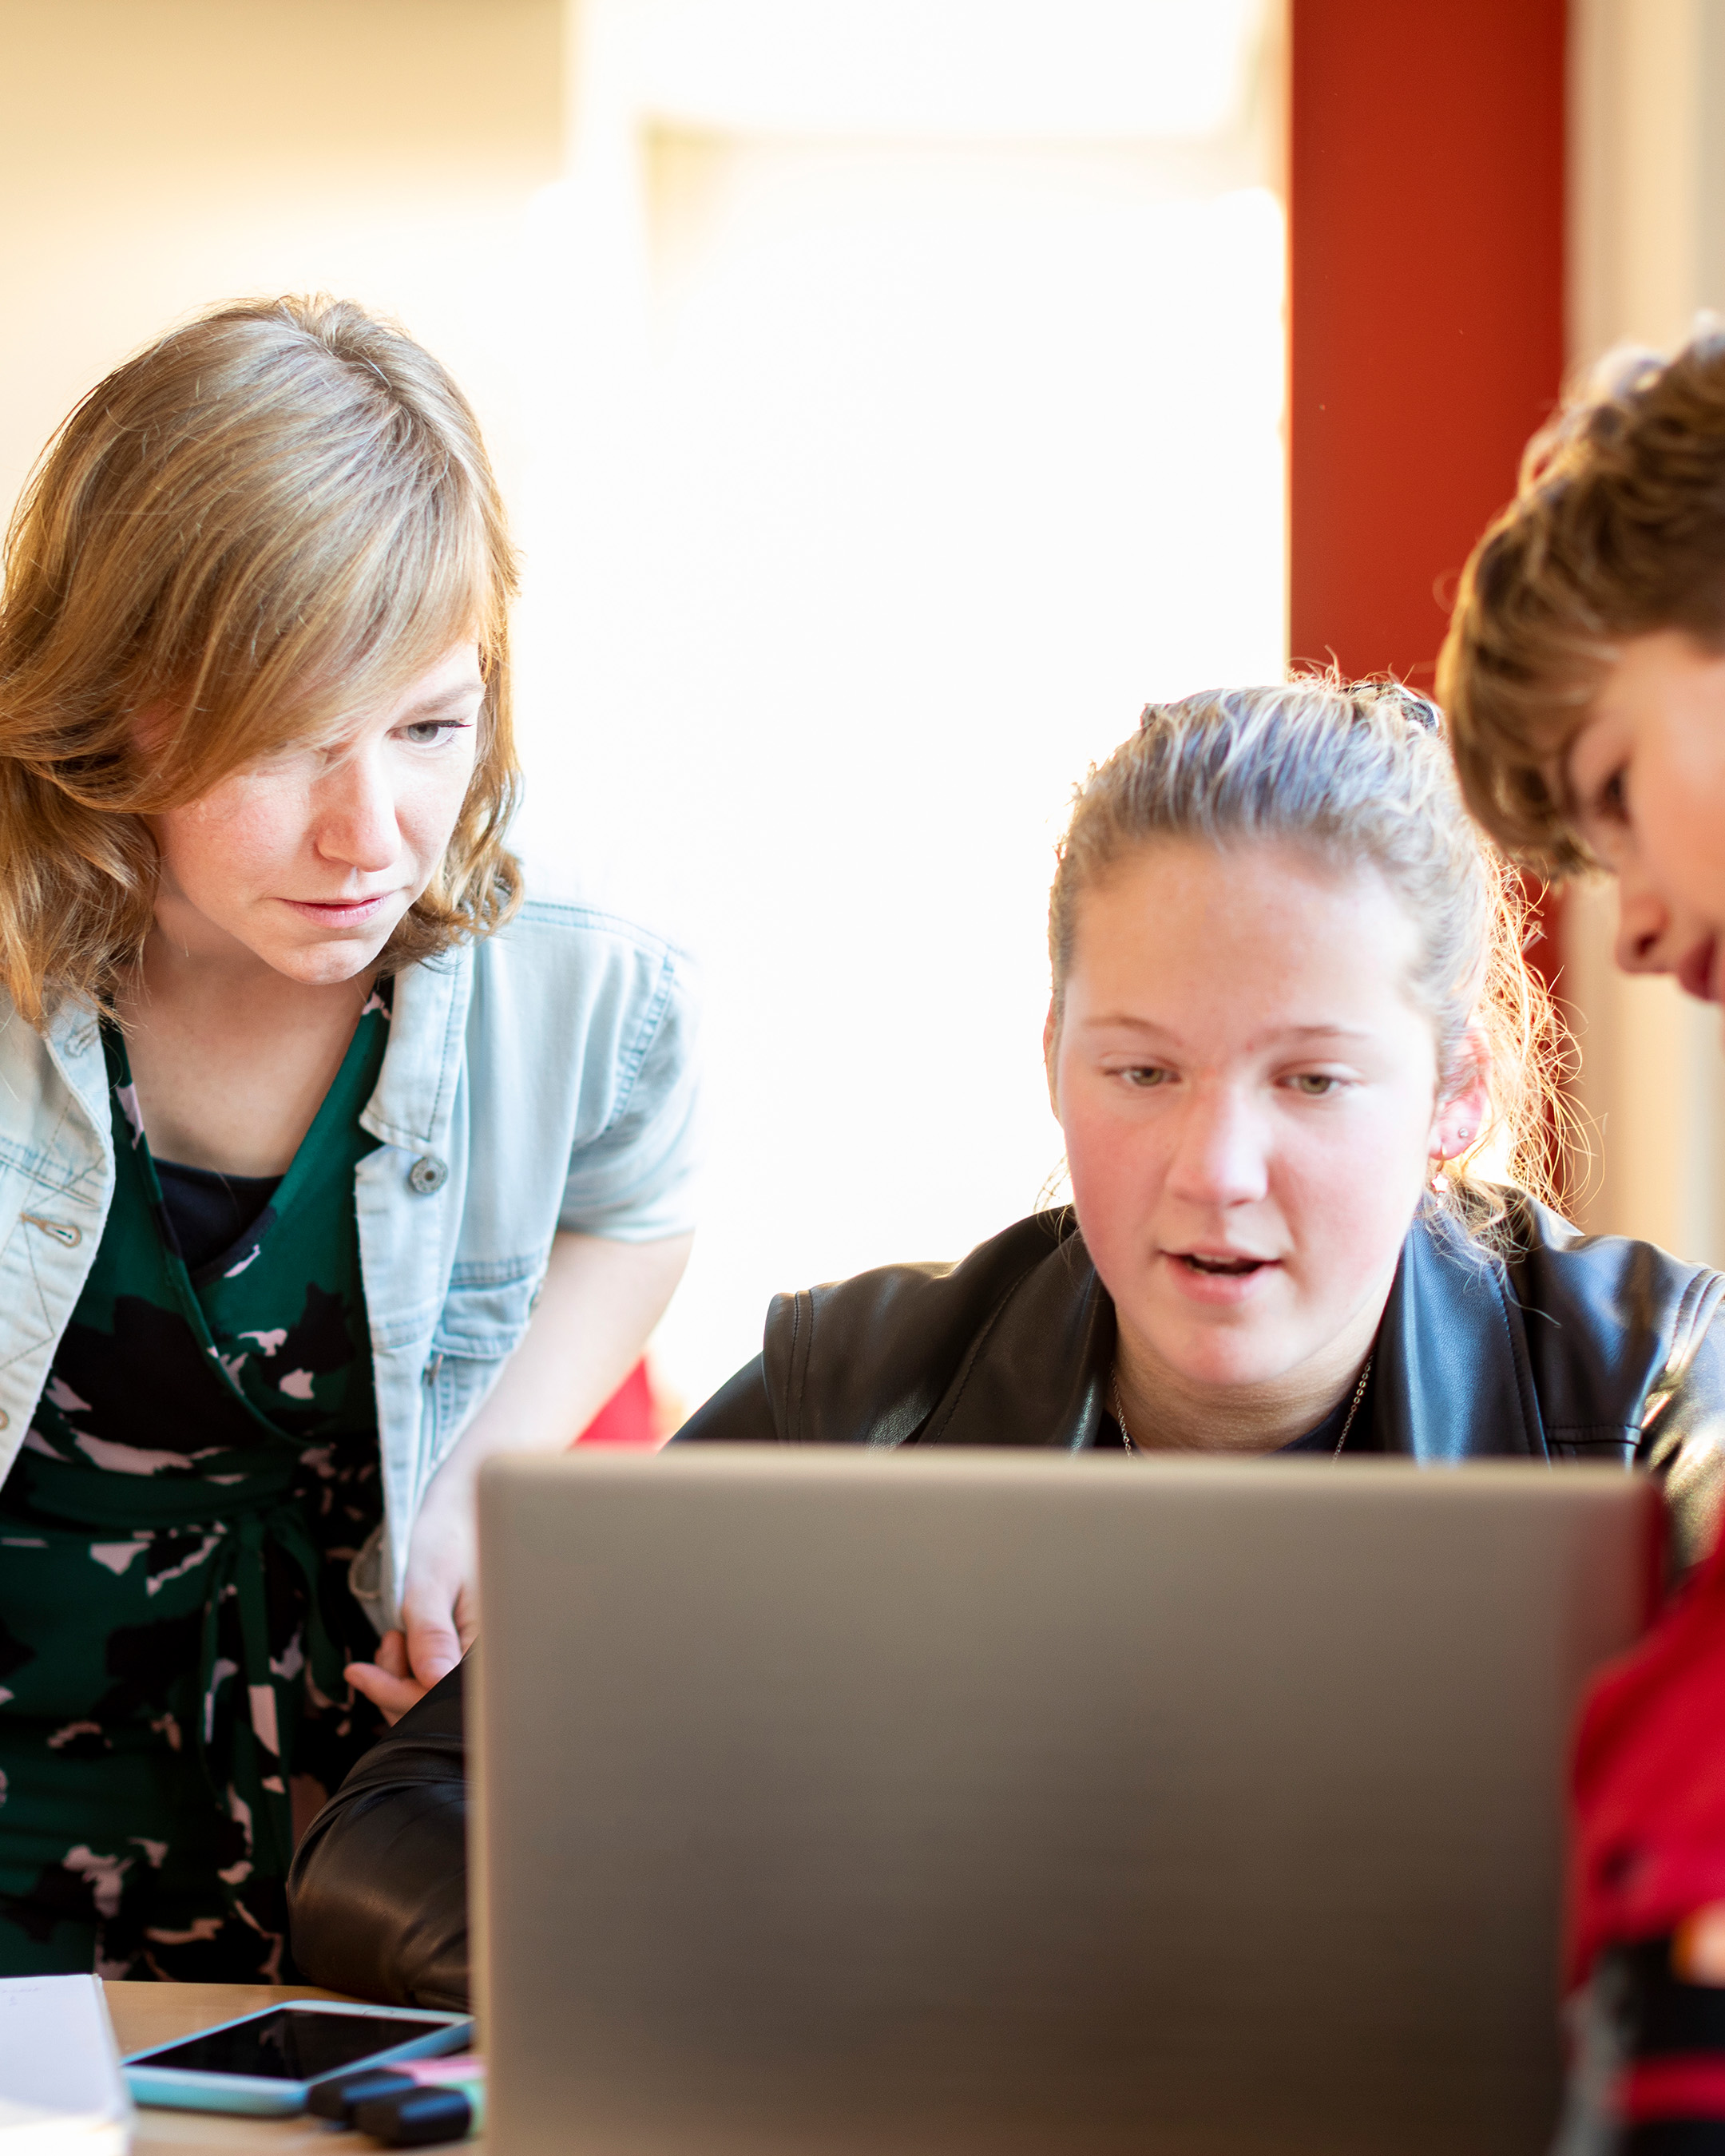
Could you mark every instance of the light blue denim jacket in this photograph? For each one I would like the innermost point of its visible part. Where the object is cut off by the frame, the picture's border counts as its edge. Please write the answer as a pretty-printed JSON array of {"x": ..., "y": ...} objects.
[{"x": 542, "y": 1079}]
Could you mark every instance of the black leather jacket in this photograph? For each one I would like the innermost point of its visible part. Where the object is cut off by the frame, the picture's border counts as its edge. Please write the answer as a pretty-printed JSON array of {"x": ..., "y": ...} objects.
[{"x": 1568, "y": 1347}]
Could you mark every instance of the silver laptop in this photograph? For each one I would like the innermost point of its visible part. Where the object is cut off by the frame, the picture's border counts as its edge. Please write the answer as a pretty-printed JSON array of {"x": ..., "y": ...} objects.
[{"x": 956, "y": 1803}]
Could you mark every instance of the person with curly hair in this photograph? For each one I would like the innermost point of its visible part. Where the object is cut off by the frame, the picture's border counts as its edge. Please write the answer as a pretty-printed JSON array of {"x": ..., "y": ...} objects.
[{"x": 1584, "y": 677}]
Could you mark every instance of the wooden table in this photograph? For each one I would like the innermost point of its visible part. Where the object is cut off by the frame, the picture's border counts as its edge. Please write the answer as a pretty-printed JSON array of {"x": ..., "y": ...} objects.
[{"x": 149, "y": 2014}]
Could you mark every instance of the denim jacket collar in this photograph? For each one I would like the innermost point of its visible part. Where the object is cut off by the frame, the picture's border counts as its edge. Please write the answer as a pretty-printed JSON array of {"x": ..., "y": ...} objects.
[
  {"x": 74, "y": 1037},
  {"x": 415, "y": 1094}
]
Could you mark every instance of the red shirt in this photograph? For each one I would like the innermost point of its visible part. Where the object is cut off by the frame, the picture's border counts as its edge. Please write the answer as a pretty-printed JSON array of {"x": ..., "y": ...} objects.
[{"x": 1649, "y": 1779}]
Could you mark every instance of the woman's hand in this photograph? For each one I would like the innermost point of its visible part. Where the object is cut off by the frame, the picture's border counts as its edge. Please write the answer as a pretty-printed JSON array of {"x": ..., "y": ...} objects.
[
  {"x": 598, "y": 1301},
  {"x": 388, "y": 1682},
  {"x": 439, "y": 1611}
]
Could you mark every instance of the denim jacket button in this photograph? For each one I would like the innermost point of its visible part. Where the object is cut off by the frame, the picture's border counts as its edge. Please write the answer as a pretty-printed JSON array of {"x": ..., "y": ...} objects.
[{"x": 427, "y": 1173}]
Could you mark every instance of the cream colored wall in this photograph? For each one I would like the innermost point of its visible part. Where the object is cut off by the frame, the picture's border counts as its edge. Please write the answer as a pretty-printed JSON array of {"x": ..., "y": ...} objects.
[
  {"x": 157, "y": 155},
  {"x": 1647, "y": 250}
]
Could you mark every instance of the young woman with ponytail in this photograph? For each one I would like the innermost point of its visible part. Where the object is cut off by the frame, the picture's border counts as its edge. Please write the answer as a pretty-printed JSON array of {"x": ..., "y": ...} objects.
[{"x": 1298, "y": 1062}]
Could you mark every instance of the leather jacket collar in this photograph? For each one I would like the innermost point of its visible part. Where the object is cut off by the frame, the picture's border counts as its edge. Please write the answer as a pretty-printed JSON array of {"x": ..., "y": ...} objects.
[
  {"x": 1563, "y": 1347},
  {"x": 1453, "y": 1375}
]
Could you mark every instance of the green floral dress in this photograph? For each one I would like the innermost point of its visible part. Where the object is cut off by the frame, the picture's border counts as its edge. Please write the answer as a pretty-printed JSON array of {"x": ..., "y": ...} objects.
[{"x": 174, "y": 1545}]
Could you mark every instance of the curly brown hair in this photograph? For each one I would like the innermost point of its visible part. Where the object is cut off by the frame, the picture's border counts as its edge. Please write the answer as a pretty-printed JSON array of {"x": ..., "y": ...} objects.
[
  {"x": 1617, "y": 530},
  {"x": 272, "y": 517}
]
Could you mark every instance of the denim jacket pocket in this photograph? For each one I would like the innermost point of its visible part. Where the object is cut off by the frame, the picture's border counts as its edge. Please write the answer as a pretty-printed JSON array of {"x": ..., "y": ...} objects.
[
  {"x": 485, "y": 1311},
  {"x": 483, "y": 1322}
]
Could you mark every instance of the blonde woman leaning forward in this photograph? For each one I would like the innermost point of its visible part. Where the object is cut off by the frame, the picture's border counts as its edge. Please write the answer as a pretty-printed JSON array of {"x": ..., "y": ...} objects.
[
  {"x": 1289, "y": 1009},
  {"x": 326, "y": 1165}
]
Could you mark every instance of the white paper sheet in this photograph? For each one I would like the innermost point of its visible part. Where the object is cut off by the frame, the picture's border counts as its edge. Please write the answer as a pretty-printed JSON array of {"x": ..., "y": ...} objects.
[{"x": 61, "y": 2089}]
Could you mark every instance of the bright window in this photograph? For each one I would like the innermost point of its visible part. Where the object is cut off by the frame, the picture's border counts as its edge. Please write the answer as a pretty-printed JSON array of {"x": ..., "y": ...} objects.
[{"x": 897, "y": 451}]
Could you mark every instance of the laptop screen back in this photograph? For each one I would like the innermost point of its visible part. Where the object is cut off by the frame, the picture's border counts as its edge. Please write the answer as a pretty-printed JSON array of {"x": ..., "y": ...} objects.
[{"x": 984, "y": 1802}]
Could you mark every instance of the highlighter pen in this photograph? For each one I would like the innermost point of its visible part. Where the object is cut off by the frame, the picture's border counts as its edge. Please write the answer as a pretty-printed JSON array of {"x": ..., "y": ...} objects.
[
  {"x": 336, "y": 2097},
  {"x": 415, "y": 2117}
]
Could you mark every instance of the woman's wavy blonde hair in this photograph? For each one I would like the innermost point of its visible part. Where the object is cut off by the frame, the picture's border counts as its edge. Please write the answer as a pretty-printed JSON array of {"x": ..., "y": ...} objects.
[
  {"x": 268, "y": 520},
  {"x": 1359, "y": 773}
]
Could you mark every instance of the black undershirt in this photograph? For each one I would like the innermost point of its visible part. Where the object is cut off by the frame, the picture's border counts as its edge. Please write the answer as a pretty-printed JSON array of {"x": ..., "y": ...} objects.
[{"x": 208, "y": 1211}]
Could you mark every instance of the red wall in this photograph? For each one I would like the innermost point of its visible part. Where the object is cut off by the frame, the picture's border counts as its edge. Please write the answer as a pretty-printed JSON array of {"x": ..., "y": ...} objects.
[
  {"x": 1426, "y": 321},
  {"x": 628, "y": 1416}
]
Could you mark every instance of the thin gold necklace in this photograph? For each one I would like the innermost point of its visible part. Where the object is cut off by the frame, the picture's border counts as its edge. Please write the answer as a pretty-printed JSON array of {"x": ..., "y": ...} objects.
[{"x": 1359, "y": 1394}]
